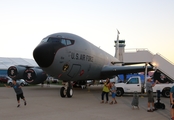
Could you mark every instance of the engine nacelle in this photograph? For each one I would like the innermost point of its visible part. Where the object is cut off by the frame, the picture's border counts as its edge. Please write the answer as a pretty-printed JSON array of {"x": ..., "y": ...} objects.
[
  {"x": 34, "y": 75},
  {"x": 16, "y": 72}
]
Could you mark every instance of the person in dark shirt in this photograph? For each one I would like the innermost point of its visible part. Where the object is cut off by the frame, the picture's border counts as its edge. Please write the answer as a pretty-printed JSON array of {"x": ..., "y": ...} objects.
[{"x": 19, "y": 93}]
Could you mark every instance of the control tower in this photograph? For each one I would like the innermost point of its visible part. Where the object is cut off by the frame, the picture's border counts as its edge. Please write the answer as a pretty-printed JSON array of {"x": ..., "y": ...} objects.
[{"x": 120, "y": 50}]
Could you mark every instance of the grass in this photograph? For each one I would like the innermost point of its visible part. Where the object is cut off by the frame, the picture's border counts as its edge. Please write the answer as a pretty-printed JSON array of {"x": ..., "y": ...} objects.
[{"x": 2, "y": 84}]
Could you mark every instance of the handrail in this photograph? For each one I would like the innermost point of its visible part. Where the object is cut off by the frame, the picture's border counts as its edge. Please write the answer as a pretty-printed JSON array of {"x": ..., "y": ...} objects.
[
  {"x": 165, "y": 58},
  {"x": 136, "y": 49}
]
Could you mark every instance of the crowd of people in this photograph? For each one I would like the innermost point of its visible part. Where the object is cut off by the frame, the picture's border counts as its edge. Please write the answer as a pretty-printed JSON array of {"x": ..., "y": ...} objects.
[
  {"x": 109, "y": 87},
  {"x": 150, "y": 83}
]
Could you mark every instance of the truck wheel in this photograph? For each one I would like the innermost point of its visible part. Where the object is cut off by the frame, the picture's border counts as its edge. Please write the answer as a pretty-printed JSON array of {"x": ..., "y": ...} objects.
[
  {"x": 22, "y": 84},
  {"x": 119, "y": 92},
  {"x": 166, "y": 92},
  {"x": 10, "y": 83}
]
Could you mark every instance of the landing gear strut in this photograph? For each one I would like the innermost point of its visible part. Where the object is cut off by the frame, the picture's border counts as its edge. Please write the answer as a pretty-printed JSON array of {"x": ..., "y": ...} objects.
[{"x": 66, "y": 90}]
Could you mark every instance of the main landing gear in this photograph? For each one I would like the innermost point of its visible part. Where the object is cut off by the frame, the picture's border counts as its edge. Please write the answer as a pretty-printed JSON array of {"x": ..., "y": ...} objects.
[{"x": 66, "y": 90}]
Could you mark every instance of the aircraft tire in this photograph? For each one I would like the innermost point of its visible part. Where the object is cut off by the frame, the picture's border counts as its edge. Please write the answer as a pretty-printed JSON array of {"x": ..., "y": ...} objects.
[
  {"x": 62, "y": 92},
  {"x": 69, "y": 92}
]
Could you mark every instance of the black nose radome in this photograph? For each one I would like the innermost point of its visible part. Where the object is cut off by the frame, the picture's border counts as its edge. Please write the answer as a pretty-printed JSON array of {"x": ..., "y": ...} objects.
[{"x": 44, "y": 54}]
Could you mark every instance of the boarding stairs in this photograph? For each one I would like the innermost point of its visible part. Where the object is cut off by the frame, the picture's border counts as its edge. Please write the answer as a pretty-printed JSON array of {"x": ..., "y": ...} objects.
[{"x": 156, "y": 60}]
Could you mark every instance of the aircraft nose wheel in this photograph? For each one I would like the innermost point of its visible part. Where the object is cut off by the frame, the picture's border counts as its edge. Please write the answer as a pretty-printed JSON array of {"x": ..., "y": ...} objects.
[
  {"x": 69, "y": 92},
  {"x": 66, "y": 90},
  {"x": 63, "y": 92}
]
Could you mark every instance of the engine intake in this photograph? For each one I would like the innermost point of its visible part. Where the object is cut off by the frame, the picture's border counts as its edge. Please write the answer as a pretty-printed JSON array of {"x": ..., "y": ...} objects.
[
  {"x": 34, "y": 75},
  {"x": 16, "y": 72}
]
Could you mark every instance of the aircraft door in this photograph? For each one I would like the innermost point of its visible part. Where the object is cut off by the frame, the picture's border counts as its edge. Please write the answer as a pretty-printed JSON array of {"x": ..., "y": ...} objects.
[{"x": 74, "y": 70}]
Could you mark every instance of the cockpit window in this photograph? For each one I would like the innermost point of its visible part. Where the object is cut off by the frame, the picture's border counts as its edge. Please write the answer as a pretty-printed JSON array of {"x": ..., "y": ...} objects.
[
  {"x": 62, "y": 41},
  {"x": 44, "y": 40},
  {"x": 68, "y": 42},
  {"x": 54, "y": 40}
]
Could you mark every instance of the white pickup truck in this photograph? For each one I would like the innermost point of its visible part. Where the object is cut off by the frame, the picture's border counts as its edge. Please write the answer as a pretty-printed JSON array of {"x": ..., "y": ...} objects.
[{"x": 135, "y": 84}]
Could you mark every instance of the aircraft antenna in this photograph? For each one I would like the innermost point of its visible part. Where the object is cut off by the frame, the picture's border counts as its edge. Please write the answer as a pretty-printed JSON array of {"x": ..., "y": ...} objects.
[{"x": 117, "y": 46}]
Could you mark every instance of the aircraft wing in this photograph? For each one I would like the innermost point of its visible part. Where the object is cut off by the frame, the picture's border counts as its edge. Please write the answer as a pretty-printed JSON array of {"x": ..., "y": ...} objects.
[{"x": 115, "y": 70}]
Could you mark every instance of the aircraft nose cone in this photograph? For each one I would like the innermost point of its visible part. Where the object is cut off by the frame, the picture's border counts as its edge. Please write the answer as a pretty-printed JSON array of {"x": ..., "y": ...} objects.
[{"x": 44, "y": 55}]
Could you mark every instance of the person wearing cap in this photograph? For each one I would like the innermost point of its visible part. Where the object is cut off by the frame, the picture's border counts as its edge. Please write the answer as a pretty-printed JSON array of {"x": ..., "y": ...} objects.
[{"x": 149, "y": 91}]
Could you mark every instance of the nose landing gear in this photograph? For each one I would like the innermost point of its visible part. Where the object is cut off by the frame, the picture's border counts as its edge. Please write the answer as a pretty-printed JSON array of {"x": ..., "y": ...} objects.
[{"x": 66, "y": 90}]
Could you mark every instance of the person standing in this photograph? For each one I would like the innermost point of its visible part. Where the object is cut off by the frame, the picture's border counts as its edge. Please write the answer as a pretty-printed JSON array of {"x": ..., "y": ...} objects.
[
  {"x": 113, "y": 91},
  {"x": 19, "y": 93},
  {"x": 149, "y": 91},
  {"x": 42, "y": 84},
  {"x": 172, "y": 102},
  {"x": 105, "y": 91},
  {"x": 48, "y": 81}
]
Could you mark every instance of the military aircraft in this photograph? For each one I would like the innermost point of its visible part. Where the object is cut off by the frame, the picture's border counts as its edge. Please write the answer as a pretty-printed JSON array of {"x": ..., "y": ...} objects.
[{"x": 69, "y": 57}]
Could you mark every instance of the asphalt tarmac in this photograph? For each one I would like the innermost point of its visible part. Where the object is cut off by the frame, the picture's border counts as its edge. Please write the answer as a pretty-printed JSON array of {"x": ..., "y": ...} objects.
[{"x": 46, "y": 104}]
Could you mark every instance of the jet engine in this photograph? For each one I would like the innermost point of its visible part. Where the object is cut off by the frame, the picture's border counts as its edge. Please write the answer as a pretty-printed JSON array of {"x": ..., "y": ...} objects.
[
  {"x": 34, "y": 75},
  {"x": 16, "y": 72}
]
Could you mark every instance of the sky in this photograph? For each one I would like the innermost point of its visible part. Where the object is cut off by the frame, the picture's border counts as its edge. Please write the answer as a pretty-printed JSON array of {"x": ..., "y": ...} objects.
[{"x": 143, "y": 24}]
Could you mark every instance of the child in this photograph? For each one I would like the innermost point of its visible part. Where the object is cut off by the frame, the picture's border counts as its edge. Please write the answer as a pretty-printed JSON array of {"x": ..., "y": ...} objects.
[{"x": 113, "y": 91}]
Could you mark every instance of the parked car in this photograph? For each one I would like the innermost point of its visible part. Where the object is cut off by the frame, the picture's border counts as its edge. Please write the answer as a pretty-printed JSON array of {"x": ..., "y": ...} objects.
[
  {"x": 20, "y": 82},
  {"x": 53, "y": 80},
  {"x": 102, "y": 81},
  {"x": 4, "y": 79},
  {"x": 82, "y": 83},
  {"x": 90, "y": 82}
]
